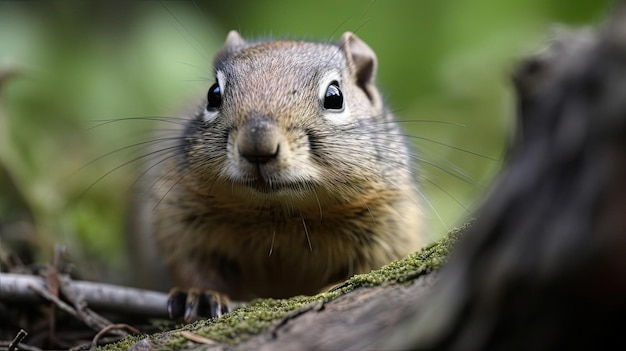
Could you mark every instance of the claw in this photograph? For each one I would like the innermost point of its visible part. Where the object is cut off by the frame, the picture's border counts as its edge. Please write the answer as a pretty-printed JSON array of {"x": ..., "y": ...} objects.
[
  {"x": 216, "y": 304},
  {"x": 176, "y": 303},
  {"x": 194, "y": 304},
  {"x": 191, "y": 306}
]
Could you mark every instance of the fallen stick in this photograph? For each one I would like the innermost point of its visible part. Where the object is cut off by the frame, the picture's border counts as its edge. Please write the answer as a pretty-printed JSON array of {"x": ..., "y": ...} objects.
[{"x": 99, "y": 296}]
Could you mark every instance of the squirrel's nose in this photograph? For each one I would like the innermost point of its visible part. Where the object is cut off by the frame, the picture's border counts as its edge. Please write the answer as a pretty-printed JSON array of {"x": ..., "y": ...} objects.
[{"x": 259, "y": 140}]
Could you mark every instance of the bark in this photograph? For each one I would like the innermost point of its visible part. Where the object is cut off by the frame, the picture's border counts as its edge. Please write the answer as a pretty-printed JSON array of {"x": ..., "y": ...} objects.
[{"x": 347, "y": 323}]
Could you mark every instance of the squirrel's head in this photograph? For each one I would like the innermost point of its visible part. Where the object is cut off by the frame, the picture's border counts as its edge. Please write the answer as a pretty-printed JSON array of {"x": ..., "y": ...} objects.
[{"x": 288, "y": 120}]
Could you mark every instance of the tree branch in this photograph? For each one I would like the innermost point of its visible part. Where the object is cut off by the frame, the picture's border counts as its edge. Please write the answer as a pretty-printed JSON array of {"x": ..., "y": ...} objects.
[{"x": 98, "y": 296}]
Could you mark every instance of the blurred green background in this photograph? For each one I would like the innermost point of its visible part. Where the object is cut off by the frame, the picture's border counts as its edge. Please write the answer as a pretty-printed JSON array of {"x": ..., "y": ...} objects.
[{"x": 66, "y": 65}]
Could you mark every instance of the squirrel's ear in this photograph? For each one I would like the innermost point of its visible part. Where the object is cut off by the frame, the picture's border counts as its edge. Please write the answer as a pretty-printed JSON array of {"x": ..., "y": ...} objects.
[
  {"x": 233, "y": 43},
  {"x": 233, "y": 40},
  {"x": 362, "y": 60}
]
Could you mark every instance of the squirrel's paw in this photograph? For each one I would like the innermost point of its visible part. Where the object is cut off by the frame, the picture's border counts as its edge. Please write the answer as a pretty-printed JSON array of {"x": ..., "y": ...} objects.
[{"x": 194, "y": 304}]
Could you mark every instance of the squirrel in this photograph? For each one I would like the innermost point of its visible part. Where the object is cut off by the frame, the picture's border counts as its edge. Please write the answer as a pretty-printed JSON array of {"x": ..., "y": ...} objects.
[{"x": 291, "y": 177}]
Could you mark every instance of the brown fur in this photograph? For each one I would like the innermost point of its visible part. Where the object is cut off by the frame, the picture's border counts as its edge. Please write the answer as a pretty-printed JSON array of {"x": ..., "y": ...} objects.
[{"x": 338, "y": 199}]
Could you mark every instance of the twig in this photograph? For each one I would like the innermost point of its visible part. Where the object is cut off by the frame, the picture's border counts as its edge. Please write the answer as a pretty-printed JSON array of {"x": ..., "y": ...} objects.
[
  {"x": 99, "y": 297},
  {"x": 48, "y": 296},
  {"x": 21, "y": 346},
  {"x": 199, "y": 339},
  {"x": 80, "y": 310},
  {"x": 87, "y": 316},
  {"x": 52, "y": 281},
  {"x": 18, "y": 339}
]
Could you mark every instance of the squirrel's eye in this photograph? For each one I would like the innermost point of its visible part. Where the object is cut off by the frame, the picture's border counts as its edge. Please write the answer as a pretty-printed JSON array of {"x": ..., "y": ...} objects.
[
  {"x": 333, "y": 98},
  {"x": 215, "y": 97}
]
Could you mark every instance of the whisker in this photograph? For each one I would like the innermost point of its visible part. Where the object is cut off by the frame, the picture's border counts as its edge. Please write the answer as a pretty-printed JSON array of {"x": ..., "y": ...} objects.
[
  {"x": 447, "y": 193},
  {"x": 414, "y": 157},
  {"x": 115, "y": 169},
  {"x": 184, "y": 175},
  {"x": 272, "y": 244},
  {"x": 429, "y": 121},
  {"x": 433, "y": 209},
  {"x": 319, "y": 205},
  {"x": 394, "y": 137},
  {"x": 456, "y": 173},
  {"x": 126, "y": 147},
  {"x": 173, "y": 120},
  {"x": 306, "y": 232},
  {"x": 165, "y": 152},
  {"x": 189, "y": 33}
]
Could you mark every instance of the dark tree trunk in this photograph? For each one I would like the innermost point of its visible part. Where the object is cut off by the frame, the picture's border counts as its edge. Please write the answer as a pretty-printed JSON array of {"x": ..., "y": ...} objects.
[{"x": 544, "y": 265}]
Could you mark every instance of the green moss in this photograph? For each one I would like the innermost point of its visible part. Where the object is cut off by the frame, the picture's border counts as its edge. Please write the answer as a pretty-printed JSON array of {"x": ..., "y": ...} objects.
[
  {"x": 422, "y": 262},
  {"x": 257, "y": 316}
]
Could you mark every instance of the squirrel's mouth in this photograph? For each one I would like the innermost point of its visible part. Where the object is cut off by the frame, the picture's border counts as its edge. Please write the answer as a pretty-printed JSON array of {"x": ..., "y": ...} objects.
[
  {"x": 269, "y": 179},
  {"x": 264, "y": 185},
  {"x": 274, "y": 186},
  {"x": 262, "y": 180}
]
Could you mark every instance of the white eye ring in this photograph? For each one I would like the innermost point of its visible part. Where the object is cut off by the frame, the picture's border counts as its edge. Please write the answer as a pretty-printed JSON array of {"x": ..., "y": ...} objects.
[
  {"x": 211, "y": 115},
  {"x": 339, "y": 117}
]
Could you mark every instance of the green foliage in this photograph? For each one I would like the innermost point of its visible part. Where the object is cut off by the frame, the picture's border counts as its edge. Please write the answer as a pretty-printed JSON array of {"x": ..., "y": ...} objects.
[{"x": 80, "y": 62}]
